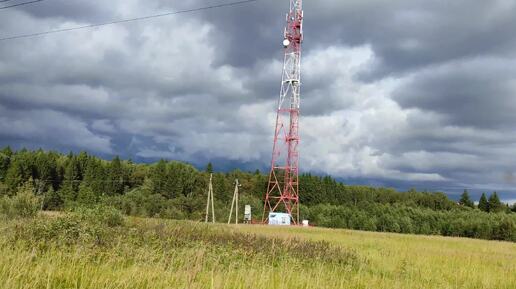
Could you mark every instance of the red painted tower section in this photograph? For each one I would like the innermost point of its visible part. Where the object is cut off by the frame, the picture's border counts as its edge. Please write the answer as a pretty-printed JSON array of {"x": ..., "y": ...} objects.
[{"x": 283, "y": 187}]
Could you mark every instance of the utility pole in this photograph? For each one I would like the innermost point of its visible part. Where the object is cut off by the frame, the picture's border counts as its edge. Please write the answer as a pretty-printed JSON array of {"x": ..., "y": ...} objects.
[
  {"x": 283, "y": 187},
  {"x": 234, "y": 202},
  {"x": 210, "y": 200}
]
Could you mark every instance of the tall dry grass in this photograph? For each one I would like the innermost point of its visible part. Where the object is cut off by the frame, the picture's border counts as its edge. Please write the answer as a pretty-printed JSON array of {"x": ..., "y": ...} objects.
[{"x": 74, "y": 251}]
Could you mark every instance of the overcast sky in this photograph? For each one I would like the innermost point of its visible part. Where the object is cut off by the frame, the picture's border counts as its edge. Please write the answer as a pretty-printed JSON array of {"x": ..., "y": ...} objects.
[{"x": 403, "y": 93}]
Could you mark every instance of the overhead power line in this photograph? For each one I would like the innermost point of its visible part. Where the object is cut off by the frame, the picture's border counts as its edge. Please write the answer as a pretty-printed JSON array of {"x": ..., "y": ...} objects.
[
  {"x": 19, "y": 4},
  {"x": 127, "y": 20}
]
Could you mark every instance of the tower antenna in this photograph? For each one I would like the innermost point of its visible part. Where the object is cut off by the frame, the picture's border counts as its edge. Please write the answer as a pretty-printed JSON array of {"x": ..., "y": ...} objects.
[{"x": 283, "y": 187}]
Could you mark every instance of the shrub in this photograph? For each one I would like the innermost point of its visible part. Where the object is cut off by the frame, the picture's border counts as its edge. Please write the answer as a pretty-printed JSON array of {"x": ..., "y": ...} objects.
[
  {"x": 86, "y": 196},
  {"x": 52, "y": 200},
  {"x": 505, "y": 229},
  {"x": 5, "y": 206},
  {"x": 63, "y": 231},
  {"x": 93, "y": 226},
  {"x": 100, "y": 214},
  {"x": 3, "y": 189},
  {"x": 24, "y": 204},
  {"x": 142, "y": 203}
]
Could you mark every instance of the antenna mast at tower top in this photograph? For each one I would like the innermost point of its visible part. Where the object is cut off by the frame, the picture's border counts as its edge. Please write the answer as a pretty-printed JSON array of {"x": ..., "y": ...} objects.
[{"x": 283, "y": 187}]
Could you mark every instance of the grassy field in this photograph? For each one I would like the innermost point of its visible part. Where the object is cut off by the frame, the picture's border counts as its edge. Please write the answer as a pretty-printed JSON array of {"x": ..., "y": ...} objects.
[{"x": 86, "y": 251}]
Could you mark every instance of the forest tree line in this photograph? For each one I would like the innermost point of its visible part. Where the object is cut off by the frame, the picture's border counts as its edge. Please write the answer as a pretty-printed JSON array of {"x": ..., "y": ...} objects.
[{"x": 171, "y": 189}]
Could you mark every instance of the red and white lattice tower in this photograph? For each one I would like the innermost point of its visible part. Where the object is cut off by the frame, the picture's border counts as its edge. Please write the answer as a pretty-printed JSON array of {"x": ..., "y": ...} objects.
[{"x": 283, "y": 187}]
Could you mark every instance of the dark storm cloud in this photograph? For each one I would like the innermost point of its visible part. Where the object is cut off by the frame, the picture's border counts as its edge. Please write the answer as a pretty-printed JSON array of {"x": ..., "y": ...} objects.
[
  {"x": 75, "y": 10},
  {"x": 407, "y": 35},
  {"x": 401, "y": 93},
  {"x": 477, "y": 92},
  {"x": 48, "y": 127},
  {"x": 404, "y": 34}
]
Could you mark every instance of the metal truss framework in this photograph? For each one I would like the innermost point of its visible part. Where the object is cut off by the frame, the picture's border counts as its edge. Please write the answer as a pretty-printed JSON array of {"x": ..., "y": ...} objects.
[{"x": 283, "y": 186}]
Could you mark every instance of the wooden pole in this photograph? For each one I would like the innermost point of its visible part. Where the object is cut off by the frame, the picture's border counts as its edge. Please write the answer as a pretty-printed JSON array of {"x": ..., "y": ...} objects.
[
  {"x": 207, "y": 204},
  {"x": 234, "y": 202},
  {"x": 210, "y": 198},
  {"x": 231, "y": 210},
  {"x": 212, "y": 201}
]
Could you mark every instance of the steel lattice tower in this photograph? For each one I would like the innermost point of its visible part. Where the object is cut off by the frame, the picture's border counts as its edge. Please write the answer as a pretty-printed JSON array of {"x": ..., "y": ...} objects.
[{"x": 283, "y": 187}]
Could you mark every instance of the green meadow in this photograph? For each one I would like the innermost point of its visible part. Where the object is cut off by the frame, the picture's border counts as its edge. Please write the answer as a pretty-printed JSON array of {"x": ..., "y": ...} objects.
[{"x": 99, "y": 248}]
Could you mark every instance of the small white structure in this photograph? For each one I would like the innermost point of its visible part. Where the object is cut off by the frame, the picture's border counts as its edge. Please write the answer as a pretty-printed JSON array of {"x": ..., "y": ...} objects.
[
  {"x": 305, "y": 223},
  {"x": 247, "y": 214},
  {"x": 280, "y": 219}
]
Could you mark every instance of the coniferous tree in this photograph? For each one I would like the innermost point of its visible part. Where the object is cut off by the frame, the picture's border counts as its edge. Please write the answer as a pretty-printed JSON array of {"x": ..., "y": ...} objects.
[
  {"x": 72, "y": 178},
  {"x": 7, "y": 151},
  {"x": 86, "y": 196},
  {"x": 5, "y": 160},
  {"x": 465, "y": 200},
  {"x": 495, "y": 205},
  {"x": 82, "y": 159},
  {"x": 95, "y": 177},
  {"x": 116, "y": 181},
  {"x": 15, "y": 176},
  {"x": 483, "y": 204},
  {"x": 158, "y": 177},
  {"x": 181, "y": 179},
  {"x": 138, "y": 175},
  {"x": 209, "y": 168},
  {"x": 45, "y": 171}
]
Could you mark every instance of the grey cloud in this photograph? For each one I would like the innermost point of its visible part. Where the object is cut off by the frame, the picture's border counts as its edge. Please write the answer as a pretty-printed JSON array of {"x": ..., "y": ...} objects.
[
  {"x": 75, "y": 10},
  {"x": 477, "y": 93},
  {"x": 413, "y": 93},
  {"x": 45, "y": 126},
  {"x": 404, "y": 34},
  {"x": 103, "y": 126}
]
